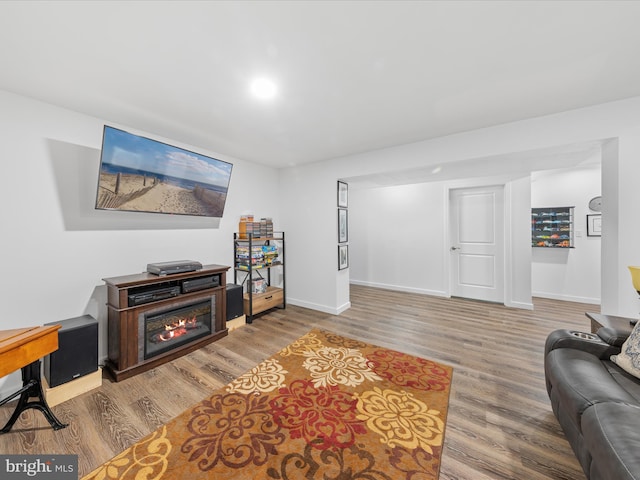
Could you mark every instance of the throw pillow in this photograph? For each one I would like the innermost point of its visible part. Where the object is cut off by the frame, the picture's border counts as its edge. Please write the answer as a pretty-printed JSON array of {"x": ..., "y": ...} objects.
[{"x": 629, "y": 357}]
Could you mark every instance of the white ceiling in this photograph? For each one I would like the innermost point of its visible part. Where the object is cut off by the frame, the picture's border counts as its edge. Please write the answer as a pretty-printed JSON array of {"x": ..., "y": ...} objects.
[
  {"x": 352, "y": 76},
  {"x": 585, "y": 155}
]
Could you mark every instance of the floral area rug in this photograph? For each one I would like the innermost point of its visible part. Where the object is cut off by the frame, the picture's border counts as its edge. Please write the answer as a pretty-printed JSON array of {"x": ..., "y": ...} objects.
[{"x": 324, "y": 407}]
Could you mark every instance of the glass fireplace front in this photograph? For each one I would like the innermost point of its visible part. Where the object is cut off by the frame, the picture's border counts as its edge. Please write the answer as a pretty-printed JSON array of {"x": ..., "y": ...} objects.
[{"x": 169, "y": 329}]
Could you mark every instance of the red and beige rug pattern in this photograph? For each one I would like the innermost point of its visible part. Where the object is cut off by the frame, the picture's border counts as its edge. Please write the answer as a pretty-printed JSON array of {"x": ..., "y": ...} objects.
[{"x": 324, "y": 407}]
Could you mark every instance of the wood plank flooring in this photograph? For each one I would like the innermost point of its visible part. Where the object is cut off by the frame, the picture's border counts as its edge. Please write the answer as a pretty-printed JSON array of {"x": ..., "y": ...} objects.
[{"x": 500, "y": 424}]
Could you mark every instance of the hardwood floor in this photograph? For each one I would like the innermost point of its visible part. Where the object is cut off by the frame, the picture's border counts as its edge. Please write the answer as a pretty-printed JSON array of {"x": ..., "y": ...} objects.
[{"x": 500, "y": 424}]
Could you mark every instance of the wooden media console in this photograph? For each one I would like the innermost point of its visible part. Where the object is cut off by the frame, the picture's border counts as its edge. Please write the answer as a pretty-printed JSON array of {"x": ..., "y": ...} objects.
[{"x": 137, "y": 304}]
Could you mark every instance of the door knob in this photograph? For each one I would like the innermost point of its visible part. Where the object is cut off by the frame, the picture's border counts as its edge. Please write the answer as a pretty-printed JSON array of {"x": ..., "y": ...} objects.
[{"x": 455, "y": 248}]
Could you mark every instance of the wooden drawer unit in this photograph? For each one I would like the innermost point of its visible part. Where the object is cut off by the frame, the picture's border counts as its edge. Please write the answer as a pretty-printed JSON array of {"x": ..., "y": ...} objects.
[{"x": 273, "y": 297}]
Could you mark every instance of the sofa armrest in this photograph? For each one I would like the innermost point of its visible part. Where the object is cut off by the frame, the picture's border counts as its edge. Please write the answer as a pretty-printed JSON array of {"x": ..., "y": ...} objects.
[
  {"x": 586, "y": 342},
  {"x": 613, "y": 336}
]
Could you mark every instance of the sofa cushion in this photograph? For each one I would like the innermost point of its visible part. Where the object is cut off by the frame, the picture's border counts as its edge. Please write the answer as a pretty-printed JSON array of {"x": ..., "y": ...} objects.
[
  {"x": 612, "y": 436},
  {"x": 627, "y": 381},
  {"x": 580, "y": 380},
  {"x": 629, "y": 356}
]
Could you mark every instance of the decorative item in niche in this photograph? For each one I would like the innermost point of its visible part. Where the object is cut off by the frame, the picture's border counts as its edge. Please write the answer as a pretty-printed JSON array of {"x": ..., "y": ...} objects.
[
  {"x": 343, "y": 257},
  {"x": 343, "y": 225},
  {"x": 552, "y": 227},
  {"x": 343, "y": 194},
  {"x": 594, "y": 225}
]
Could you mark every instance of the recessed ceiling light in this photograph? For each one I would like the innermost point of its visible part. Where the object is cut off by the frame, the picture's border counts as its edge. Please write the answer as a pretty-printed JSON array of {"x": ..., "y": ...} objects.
[{"x": 263, "y": 88}]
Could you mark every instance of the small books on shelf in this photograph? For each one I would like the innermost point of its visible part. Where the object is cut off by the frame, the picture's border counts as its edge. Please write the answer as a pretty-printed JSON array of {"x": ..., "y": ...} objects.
[
  {"x": 259, "y": 257},
  {"x": 247, "y": 226}
]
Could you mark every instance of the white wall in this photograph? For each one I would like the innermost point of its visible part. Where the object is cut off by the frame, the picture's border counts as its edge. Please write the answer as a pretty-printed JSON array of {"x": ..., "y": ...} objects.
[
  {"x": 397, "y": 237},
  {"x": 308, "y": 197},
  {"x": 568, "y": 274},
  {"x": 57, "y": 248},
  {"x": 620, "y": 215}
]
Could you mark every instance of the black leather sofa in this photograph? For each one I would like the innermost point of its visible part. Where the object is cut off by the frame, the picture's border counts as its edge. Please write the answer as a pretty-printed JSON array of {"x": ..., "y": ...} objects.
[{"x": 595, "y": 401}]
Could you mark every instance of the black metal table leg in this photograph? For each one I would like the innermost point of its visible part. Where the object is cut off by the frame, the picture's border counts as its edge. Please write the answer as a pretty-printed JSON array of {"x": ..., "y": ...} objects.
[{"x": 31, "y": 387}]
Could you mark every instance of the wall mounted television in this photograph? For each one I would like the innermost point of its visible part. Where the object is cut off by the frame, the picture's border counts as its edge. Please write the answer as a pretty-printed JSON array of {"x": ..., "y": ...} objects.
[{"x": 138, "y": 174}]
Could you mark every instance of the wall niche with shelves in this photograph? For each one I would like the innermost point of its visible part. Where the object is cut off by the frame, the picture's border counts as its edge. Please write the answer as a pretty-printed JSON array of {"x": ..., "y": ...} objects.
[{"x": 552, "y": 227}]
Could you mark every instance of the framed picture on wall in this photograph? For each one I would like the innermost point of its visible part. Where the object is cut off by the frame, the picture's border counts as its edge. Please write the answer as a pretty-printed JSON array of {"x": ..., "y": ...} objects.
[
  {"x": 594, "y": 225},
  {"x": 343, "y": 225},
  {"x": 343, "y": 257},
  {"x": 343, "y": 194}
]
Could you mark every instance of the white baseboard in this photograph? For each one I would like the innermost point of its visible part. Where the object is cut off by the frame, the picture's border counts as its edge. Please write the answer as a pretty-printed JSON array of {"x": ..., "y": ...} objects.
[
  {"x": 344, "y": 307},
  {"x": 400, "y": 288},
  {"x": 521, "y": 305},
  {"x": 435, "y": 293},
  {"x": 567, "y": 298},
  {"x": 318, "y": 307}
]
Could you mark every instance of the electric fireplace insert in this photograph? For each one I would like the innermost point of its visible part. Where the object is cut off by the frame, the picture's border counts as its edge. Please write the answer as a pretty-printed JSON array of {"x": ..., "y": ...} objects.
[{"x": 161, "y": 331}]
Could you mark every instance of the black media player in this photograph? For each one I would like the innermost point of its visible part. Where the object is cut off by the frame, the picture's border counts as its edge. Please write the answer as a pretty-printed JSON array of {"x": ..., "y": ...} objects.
[{"x": 169, "y": 268}]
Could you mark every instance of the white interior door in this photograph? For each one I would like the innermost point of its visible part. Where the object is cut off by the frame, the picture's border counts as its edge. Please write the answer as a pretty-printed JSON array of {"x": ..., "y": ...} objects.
[{"x": 477, "y": 243}]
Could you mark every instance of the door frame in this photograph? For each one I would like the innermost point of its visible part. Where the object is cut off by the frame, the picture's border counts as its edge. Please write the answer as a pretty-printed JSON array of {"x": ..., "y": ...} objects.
[
  {"x": 500, "y": 236},
  {"x": 523, "y": 233}
]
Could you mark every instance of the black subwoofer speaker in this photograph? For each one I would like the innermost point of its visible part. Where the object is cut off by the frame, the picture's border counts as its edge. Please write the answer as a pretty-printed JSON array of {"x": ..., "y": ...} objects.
[
  {"x": 234, "y": 301},
  {"x": 77, "y": 353}
]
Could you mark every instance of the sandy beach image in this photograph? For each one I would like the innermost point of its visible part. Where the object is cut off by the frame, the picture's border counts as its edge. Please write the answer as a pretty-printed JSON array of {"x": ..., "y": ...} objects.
[{"x": 146, "y": 194}]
